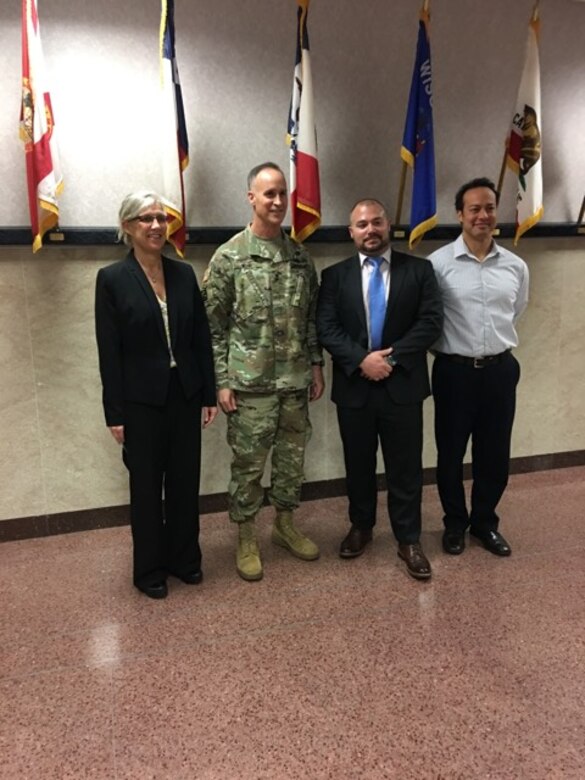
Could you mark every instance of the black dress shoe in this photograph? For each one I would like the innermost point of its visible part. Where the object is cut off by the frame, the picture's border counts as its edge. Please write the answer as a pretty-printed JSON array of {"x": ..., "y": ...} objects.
[
  {"x": 157, "y": 590},
  {"x": 417, "y": 563},
  {"x": 355, "y": 542},
  {"x": 192, "y": 578},
  {"x": 453, "y": 542},
  {"x": 492, "y": 541}
]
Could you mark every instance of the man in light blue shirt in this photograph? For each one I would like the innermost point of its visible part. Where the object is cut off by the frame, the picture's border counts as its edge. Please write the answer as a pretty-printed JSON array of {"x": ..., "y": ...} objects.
[{"x": 484, "y": 288}]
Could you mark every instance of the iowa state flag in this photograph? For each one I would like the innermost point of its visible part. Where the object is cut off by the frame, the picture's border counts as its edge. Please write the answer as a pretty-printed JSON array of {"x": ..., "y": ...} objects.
[
  {"x": 418, "y": 149},
  {"x": 37, "y": 131},
  {"x": 305, "y": 195},
  {"x": 175, "y": 145},
  {"x": 524, "y": 143}
]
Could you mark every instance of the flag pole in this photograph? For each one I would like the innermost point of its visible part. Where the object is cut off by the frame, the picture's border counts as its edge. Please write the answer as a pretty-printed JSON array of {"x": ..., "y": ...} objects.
[
  {"x": 504, "y": 166},
  {"x": 401, "y": 193}
]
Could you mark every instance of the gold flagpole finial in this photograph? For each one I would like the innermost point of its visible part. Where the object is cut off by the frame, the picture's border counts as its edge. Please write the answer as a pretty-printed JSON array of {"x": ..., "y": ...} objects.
[
  {"x": 535, "y": 19},
  {"x": 161, "y": 38}
]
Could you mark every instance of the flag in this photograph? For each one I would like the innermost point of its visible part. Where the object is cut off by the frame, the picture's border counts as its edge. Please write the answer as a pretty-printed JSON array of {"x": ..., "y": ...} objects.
[
  {"x": 524, "y": 155},
  {"x": 37, "y": 131},
  {"x": 418, "y": 150},
  {"x": 174, "y": 144},
  {"x": 305, "y": 194}
]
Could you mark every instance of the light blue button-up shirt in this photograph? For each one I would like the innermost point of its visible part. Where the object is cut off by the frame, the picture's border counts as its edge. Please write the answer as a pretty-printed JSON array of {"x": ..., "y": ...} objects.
[{"x": 482, "y": 300}]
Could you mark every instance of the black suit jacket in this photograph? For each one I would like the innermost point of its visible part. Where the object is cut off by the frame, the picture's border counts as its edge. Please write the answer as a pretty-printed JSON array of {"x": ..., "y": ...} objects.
[
  {"x": 132, "y": 344},
  {"x": 414, "y": 317}
]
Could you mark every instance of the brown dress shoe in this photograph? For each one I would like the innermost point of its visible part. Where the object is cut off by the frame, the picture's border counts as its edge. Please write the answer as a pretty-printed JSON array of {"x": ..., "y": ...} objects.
[
  {"x": 355, "y": 542},
  {"x": 417, "y": 563}
]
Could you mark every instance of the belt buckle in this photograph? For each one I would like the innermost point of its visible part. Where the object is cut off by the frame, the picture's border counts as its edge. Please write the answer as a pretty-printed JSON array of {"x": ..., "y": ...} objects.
[{"x": 478, "y": 362}]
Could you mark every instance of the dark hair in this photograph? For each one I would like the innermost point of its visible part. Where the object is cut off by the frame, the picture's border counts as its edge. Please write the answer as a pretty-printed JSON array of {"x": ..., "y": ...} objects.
[
  {"x": 257, "y": 168},
  {"x": 368, "y": 202},
  {"x": 482, "y": 181}
]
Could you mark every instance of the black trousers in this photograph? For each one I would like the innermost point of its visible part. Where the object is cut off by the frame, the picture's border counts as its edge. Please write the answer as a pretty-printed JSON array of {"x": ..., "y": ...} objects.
[
  {"x": 398, "y": 428},
  {"x": 162, "y": 451},
  {"x": 476, "y": 403}
]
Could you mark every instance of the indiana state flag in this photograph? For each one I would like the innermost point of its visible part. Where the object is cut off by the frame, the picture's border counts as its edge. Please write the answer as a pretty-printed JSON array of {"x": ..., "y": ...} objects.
[{"x": 417, "y": 144}]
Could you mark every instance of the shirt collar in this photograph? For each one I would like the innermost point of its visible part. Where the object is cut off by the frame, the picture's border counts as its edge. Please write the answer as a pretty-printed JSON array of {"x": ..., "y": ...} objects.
[
  {"x": 264, "y": 247},
  {"x": 460, "y": 249},
  {"x": 364, "y": 258}
]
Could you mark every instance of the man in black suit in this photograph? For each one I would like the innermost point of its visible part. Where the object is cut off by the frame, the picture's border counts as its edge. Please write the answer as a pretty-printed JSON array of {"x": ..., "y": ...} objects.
[{"x": 378, "y": 313}]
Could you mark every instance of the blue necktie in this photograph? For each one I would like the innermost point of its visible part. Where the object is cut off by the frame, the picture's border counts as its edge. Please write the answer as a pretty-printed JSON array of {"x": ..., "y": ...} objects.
[{"x": 376, "y": 302}]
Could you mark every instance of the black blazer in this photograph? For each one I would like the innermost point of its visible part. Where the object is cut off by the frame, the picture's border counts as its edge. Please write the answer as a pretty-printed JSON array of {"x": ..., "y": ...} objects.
[
  {"x": 132, "y": 344},
  {"x": 414, "y": 317}
]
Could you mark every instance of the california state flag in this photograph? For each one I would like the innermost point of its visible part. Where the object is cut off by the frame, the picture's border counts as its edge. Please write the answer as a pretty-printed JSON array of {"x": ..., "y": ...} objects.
[
  {"x": 524, "y": 144},
  {"x": 37, "y": 131}
]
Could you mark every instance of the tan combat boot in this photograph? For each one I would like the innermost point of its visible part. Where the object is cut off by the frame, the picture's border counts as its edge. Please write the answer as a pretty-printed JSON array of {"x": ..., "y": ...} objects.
[
  {"x": 248, "y": 561},
  {"x": 286, "y": 535}
]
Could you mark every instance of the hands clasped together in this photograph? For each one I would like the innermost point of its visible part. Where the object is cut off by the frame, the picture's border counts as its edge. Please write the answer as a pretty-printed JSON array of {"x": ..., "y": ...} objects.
[{"x": 375, "y": 365}]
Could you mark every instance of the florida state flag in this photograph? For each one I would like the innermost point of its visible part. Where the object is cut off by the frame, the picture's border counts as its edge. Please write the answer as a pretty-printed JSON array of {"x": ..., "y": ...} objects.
[{"x": 37, "y": 131}]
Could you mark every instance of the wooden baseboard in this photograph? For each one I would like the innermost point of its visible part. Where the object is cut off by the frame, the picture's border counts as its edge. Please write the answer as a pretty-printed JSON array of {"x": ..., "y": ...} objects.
[{"x": 109, "y": 517}]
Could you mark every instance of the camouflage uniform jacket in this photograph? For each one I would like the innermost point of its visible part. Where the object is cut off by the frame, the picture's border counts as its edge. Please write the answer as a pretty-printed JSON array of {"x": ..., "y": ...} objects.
[{"x": 261, "y": 309}]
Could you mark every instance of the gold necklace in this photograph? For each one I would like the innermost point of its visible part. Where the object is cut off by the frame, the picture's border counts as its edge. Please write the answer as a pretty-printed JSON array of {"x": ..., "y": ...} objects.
[{"x": 152, "y": 277}]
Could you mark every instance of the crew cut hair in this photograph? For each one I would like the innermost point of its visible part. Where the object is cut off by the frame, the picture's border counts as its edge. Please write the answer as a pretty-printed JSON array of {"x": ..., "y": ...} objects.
[
  {"x": 257, "y": 168},
  {"x": 368, "y": 202}
]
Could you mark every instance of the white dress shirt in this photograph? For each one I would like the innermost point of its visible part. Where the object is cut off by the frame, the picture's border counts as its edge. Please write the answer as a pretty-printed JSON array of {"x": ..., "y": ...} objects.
[{"x": 482, "y": 300}]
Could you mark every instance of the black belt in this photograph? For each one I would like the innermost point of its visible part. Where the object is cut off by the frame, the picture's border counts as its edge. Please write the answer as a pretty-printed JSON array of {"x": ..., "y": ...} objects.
[{"x": 474, "y": 362}]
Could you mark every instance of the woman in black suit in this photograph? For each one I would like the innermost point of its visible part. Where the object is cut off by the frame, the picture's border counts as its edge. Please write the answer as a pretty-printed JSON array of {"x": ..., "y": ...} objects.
[{"x": 156, "y": 366}]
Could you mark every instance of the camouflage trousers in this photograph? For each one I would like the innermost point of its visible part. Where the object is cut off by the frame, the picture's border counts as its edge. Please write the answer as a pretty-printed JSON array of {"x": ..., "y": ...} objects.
[{"x": 263, "y": 421}]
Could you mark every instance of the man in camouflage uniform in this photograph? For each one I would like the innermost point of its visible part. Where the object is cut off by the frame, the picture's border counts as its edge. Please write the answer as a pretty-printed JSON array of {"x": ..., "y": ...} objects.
[{"x": 261, "y": 295}]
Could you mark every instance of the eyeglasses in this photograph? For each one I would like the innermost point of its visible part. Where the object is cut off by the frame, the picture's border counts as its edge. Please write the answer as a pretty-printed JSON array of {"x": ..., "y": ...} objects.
[{"x": 148, "y": 219}]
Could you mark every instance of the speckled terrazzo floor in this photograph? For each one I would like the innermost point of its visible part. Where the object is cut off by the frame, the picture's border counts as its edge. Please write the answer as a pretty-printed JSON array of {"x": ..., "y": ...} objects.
[{"x": 332, "y": 669}]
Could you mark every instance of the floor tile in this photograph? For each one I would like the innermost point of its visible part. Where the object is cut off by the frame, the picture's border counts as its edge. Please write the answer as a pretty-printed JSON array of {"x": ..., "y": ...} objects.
[{"x": 327, "y": 669}]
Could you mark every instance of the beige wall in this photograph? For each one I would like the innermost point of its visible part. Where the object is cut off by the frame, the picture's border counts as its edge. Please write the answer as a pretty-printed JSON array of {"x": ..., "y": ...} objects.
[{"x": 57, "y": 456}]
